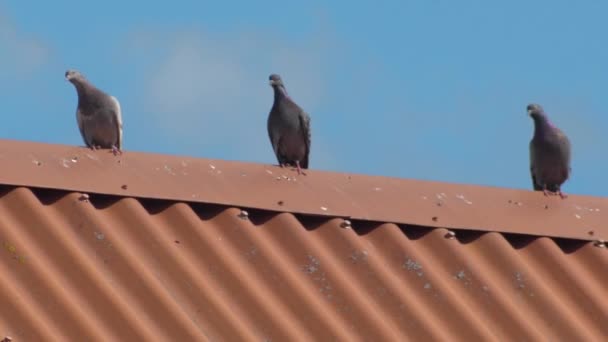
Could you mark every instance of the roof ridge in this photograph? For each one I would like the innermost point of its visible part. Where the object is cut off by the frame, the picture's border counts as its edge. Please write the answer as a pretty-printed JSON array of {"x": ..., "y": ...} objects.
[{"x": 269, "y": 187}]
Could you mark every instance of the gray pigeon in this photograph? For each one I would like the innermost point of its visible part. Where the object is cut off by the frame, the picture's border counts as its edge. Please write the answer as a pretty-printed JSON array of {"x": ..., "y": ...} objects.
[
  {"x": 549, "y": 154},
  {"x": 288, "y": 128},
  {"x": 98, "y": 115}
]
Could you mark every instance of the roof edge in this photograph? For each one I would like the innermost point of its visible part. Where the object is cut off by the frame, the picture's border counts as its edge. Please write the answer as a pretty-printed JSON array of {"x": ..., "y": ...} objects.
[{"x": 322, "y": 193}]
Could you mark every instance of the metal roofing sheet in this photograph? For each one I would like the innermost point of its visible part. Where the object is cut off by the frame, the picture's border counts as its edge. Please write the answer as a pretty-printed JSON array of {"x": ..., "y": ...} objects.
[
  {"x": 173, "y": 256},
  {"x": 381, "y": 199},
  {"x": 113, "y": 268}
]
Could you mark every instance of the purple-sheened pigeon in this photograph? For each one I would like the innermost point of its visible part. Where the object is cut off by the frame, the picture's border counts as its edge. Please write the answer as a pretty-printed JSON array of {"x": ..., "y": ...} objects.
[
  {"x": 98, "y": 115},
  {"x": 288, "y": 128},
  {"x": 549, "y": 154}
]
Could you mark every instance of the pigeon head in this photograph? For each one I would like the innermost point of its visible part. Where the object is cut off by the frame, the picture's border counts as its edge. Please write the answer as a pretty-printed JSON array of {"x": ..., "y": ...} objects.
[
  {"x": 275, "y": 80},
  {"x": 73, "y": 75},
  {"x": 537, "y": 114},
  {"x": 535, "y": 111}
]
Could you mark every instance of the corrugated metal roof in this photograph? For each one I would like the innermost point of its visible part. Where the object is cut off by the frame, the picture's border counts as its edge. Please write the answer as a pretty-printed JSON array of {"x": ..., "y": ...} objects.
[{"x": 153, "y": 262}]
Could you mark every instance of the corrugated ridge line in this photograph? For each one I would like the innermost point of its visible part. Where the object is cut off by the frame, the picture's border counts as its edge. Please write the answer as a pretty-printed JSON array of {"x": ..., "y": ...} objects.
[
  {"x": 171, "y": 323},
  {"x": 479, "y": 271},
  {"x": 545, "y": 314},
  {"x": 441, "y": 261},
  {"x": 428, "y": 283},
  {"x": 483, "y": 250},
  {"x": 21, "y": 312},
  {"x": 556, "y": 269},
  {"x": 329, "y": 326},
  {"x": 88, "y": 285},
  {"x": 272, "y": 295},
  {"x": 536, "y": 290},
  {"x": 257, "y": 290},
  {"x": 495, "y": 257},
  {"x": 19, "y": 316},
  {"x": 586, "y": 260},
  {"x": 250, "y": 309},
  {"x": 326, "y": 272},
  {"x": 247, "y": 275},
  {"x": 288, "y": 291},
  {"x": 191, "y": 285},
  {"x": 559, "y": 321},
  {"x": 476, "y": 288},
  {"x": 447, "y": 259},
  {"x": 149, "y": 330},
  {"x": 73, "y": 319},
  {"x": 380, "y": 284},
  {"x": 120, "y": 316},
  {"x": 595, "y": 261}
]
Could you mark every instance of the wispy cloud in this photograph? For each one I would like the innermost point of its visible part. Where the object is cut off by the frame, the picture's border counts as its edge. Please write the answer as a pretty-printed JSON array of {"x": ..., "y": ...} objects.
[
  {"x": 210, "y": 92},
  {"x": 22, "y": 54}
]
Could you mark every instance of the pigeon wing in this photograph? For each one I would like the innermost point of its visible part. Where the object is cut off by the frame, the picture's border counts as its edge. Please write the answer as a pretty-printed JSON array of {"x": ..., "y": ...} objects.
[
  {"x": 118, "y": 120},
  {"x": 535, "y": 184},
  {"x": 81, "y": 127},
  {"x": 305, "y": 131},
  {"x": 274, "y": 132}
]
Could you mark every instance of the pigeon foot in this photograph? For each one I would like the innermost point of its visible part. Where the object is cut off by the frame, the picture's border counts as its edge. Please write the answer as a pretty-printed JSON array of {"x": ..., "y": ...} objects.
[
  {"x": 116, "y": 151},
  {"x": 299, "y": 169},
  {"x": 555, "y": 193}
]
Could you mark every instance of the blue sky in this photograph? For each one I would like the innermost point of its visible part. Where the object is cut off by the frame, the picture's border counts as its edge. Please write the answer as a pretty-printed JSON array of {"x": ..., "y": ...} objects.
[{"x": 430, "y": 89}]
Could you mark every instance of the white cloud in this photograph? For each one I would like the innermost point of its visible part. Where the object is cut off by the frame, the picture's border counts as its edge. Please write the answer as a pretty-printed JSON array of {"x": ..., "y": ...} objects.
[
  {"x": 204, "y": 91},
  {"x": 21, "y": 54}
]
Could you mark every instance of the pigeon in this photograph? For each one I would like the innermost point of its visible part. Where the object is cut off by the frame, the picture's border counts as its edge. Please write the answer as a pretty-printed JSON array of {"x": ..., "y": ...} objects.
[
  {"x": 288, "y": 128},
  {"x": 549, "y": 154},
  {"x": 98, "y": 115}
]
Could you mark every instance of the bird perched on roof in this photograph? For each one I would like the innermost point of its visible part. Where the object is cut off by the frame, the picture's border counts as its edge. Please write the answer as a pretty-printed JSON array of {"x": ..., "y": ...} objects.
[
  {"x": 98, "y": 114},
  {"x": 549, "y": 154},
  {"x": 288, "y": 128}
]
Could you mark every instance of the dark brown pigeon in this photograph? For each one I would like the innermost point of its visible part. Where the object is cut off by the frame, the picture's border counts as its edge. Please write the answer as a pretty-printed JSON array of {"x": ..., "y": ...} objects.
[
  {"x": 549, "y": 154},
  {"x": 98, "y": 115},
  {"x": 288, "y": 128}
]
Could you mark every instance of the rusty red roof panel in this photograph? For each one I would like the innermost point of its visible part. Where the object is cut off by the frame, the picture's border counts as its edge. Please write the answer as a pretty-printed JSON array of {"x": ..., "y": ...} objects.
[
  {"x": 204, "y": 251},
  {"x": 380, "y": 199}
]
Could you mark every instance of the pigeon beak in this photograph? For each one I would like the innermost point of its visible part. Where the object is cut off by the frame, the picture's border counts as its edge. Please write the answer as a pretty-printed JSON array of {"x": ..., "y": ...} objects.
[
  {"x": 529, "y": 112},
  {"x": 271, "y": 82}
]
